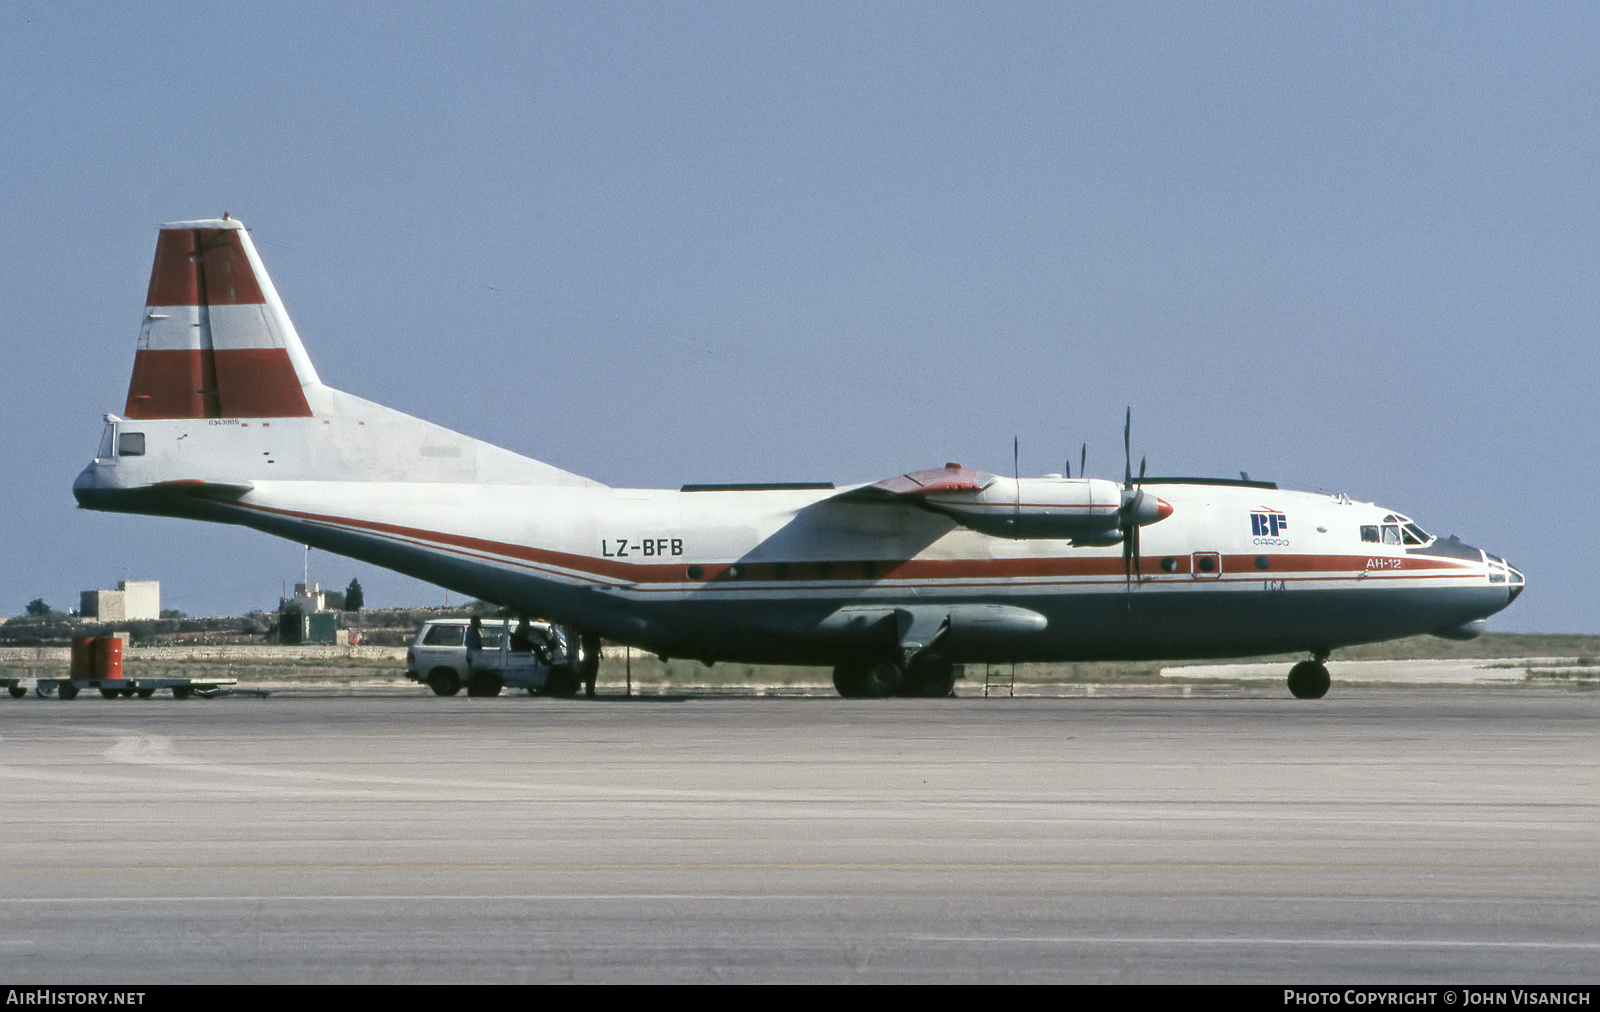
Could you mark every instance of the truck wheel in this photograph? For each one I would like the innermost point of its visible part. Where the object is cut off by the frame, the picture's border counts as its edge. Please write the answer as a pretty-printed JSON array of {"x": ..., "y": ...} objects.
[
  {"x": 111, "y": 693},
  {"x": 484, "y": 683},
  {"x": 68, "y": 690},
  {"x": 444, "y": 681},
  {"x": 182, "y": 692},
  {"x": 17, "y": 691},
  {"x": 146, "y": 693}
]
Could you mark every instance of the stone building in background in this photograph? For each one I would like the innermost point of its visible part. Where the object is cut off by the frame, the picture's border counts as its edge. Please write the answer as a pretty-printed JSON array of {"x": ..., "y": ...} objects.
[{"x": 132, "y": 601}]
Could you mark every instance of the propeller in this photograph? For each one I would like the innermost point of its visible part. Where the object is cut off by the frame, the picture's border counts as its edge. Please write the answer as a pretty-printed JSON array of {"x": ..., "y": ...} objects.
[
  {"x": 1132, "y": 500},
  {"x": 1083, "y": 461},
  {"x": 1016, "y": 477}
]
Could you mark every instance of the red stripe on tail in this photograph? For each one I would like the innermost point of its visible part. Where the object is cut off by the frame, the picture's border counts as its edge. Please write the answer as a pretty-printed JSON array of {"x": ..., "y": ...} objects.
[
  {"x": 250, "y": 383},
  {"x": 206, "y": 268},
  {"x": 202, "y": 267}
]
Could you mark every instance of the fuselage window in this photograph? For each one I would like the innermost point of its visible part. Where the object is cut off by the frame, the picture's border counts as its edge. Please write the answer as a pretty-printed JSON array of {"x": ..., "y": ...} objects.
[
  {"x": 1369, "y": 532},
  {"x": 1391, "y": 534},
  {"x": 130, "y": 444}
]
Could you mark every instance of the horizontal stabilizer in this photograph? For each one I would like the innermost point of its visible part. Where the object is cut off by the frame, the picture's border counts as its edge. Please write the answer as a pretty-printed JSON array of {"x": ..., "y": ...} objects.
[{"x": 202, "y": 489}]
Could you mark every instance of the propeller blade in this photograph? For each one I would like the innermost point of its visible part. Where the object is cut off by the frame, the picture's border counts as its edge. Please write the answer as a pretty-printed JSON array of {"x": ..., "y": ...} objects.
[
  {"x": 1127, "y": 451},
  {"x": 1083, "y": 460},
  {"x": 1142, "y": 462},
  {"x": 1016, "y": 475}
]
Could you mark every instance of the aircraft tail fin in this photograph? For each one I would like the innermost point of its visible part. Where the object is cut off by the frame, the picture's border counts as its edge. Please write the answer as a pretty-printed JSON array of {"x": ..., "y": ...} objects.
[
  {"x": 216, "y": 341},
  {"x": 217, "y": 344}
]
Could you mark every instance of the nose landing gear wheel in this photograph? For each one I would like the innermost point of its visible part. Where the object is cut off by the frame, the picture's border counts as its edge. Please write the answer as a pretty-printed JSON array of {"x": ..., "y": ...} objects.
[{"x": 1309, "y": 680}]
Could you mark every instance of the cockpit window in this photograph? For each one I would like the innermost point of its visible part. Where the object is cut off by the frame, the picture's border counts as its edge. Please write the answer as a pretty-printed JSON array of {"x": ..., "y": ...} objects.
[
  {"x": 130, "y": 444},
  {"x": 1396, "y": 530},
  {"x": 108, "y": 441}
]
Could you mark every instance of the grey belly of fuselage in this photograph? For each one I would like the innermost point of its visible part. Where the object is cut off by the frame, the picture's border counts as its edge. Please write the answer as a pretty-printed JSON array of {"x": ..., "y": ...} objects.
[{"x": 1153, "y": 625}]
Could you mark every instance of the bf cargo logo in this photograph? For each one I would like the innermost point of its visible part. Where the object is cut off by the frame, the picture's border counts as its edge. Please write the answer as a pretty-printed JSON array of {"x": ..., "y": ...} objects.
[{"x": 1267, "y": 526}]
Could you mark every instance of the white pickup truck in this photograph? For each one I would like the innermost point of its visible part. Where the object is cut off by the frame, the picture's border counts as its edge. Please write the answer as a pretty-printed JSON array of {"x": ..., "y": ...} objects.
[{"x": 558, "y": 664}]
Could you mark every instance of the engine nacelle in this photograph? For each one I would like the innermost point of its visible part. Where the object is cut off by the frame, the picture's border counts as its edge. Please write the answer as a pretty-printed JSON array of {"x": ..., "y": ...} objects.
[{"x": 1087, "y": 511}]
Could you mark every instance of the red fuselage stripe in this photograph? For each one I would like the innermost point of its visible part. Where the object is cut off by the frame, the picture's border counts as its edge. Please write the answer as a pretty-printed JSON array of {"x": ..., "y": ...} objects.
[{"x": 935, "y": 572}]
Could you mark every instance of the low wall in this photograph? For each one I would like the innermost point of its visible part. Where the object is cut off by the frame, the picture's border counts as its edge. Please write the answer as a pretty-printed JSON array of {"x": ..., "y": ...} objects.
[{"x": 237, "y": 653}]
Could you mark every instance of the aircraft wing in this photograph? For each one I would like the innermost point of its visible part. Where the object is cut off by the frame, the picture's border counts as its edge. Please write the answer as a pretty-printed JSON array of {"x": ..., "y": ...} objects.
[{"x": 951, "y": 478}]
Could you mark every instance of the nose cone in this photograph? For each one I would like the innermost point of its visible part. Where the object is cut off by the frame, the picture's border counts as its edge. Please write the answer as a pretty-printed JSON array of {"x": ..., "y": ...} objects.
[
  {"x": 85, "y": 484},
  {"x": 1163, "y": 510}
]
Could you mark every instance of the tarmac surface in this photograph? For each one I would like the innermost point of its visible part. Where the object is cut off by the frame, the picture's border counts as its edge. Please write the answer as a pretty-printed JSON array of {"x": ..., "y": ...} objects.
[{"x": 1378, "y": 835}]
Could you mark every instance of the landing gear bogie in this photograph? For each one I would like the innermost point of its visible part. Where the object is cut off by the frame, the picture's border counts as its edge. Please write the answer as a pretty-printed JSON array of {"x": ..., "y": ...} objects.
[
  {"x": 928, "y": 677},
  {"x": 868, "y": 679}
]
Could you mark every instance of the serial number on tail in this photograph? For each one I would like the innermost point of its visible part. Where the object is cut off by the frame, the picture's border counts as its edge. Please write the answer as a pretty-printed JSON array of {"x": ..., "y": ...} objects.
[{"x": 622, "y": 548}]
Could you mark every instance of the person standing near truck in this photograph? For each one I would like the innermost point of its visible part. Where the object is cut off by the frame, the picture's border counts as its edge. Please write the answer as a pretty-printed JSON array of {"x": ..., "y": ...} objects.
[{"x": 474, "y": 643}]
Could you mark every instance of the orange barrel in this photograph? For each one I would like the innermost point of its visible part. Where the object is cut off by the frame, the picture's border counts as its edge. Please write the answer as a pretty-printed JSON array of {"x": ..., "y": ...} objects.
[
  {"x": 108, "y": 657},
  {"x": 83, "y": 656}
]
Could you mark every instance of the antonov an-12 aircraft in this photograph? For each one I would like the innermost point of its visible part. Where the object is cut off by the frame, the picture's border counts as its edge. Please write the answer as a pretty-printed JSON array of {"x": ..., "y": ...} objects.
[{"x": 892, "y": 584}]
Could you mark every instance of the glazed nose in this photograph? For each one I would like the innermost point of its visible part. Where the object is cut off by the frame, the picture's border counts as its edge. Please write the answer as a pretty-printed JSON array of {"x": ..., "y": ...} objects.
[{"x": 1501, "y": 571}]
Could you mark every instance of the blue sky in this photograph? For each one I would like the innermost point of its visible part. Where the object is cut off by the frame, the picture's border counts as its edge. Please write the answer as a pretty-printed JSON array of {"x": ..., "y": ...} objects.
[{"x": 1350, "y": 247}]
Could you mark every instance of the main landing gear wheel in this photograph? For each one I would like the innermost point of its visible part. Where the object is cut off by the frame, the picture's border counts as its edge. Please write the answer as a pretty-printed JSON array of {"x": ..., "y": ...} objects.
[
  {"x": 931, "y": 678},
  {"x": 444, "y": 681},
  {"x": 869, "y": 679},
  {"x": 1309, "y": 680},
  {"x": 562, "y": 682}
]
